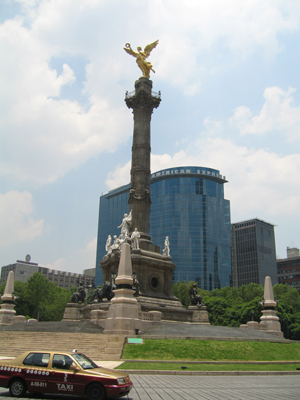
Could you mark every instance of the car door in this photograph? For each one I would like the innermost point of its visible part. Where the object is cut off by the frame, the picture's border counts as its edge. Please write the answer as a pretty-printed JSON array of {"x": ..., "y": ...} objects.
[
  {"x": 36, "y": 371},
  {"x": 64, "y": 380}
]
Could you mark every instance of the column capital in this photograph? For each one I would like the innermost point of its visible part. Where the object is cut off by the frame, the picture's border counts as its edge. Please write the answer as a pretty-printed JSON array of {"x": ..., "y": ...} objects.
[{"x": 143, "y": 98}]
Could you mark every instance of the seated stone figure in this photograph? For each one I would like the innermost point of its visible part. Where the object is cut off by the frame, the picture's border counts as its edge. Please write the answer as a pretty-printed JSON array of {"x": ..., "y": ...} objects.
[
  {"x": 196, "y": 300},
  {"x": 79, "y": 296}
]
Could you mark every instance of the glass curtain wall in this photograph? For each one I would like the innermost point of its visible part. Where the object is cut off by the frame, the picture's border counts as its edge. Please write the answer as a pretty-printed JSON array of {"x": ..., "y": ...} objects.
[{"x": 192, "y": 212}]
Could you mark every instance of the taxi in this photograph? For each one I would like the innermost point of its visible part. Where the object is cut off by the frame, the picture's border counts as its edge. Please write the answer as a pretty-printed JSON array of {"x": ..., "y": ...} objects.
[{"x": 64, "y": 373}]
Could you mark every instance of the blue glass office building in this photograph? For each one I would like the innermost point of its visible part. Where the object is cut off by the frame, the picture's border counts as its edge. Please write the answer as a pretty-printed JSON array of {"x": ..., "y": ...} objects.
[{"x": 188, "y": 205}]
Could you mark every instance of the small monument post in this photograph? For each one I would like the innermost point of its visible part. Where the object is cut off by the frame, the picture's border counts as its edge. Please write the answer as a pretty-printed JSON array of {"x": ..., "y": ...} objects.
[
  {"x": 269, "y": 321},
  {"x": 123, "y": 313},
  {"x": 7, "y": 312}
]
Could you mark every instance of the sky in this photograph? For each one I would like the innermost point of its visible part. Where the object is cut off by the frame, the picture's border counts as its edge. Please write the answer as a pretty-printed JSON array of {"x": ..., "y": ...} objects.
[{"x": 228, "y": 72}]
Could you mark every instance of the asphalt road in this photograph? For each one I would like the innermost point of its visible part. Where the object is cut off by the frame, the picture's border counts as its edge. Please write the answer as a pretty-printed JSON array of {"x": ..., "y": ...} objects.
[{"x": 178, "y": 387}]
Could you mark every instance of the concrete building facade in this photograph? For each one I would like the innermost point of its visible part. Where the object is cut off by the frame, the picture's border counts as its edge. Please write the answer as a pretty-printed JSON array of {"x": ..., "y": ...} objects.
[
  {"x": 253, "y": 252},
  {"x": 23, "y": 270},
  {"x": 288, "y": 269}
]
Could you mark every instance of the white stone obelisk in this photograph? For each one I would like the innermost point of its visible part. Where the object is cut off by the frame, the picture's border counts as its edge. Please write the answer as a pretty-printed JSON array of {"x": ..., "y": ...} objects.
[
  {"x": 269, "y": 320},
  {"x": 7, "y": 312},
  {"x": 123, "y": 313}
]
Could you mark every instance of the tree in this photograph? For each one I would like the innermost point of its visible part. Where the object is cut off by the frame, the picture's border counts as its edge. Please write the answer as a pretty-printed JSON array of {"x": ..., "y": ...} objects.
[
  {"x": 282, "y": 292},
  {"x": 216, "y": 307},
  {"x": 251, "y": 309},
  {"x": 37, "y": 291},
  {"x": 22, "y": 307},
  {"x": 2, "y": 287},
  {"x": 180, "y": 290},
  {"x": 39, "y": 296},
  {"x": 251, "y": 291}
]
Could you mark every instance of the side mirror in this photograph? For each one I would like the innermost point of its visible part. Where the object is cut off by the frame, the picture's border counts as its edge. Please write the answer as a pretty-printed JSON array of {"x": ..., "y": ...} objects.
[{"x": 74, "y": 368}]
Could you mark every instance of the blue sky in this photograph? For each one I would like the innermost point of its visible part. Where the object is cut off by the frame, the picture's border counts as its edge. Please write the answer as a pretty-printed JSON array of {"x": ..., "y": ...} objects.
[{"x": 228, "y": 73}]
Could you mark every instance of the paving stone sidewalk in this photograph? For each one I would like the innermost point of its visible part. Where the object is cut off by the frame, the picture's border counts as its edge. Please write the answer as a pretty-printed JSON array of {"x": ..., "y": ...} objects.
[{"x": 164, "y": 387}]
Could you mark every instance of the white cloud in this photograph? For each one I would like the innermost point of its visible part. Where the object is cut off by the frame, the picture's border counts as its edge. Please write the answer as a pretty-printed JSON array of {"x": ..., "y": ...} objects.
[
  {"x": 277, "y": 114},
  {"x": 89, "y": 254},
  {"x": 16, "y": 222},
  {"x": 194, "y": 33},
  {"x": 260, "y": 181},
  {"x": 54, "y": 134},
  {"x": 58, "y": 265},
  {"x": 58, "y": 134},
  {"x": 85, "y": 259},
  {"x": 120, "y": 176}
]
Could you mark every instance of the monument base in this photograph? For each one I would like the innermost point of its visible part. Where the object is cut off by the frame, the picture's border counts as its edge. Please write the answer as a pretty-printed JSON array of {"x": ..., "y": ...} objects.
[
  {"x": 200, "y": 314},
  {"x": 270, "y": 322},
  {"x": 73, "y": 312},
  {"x": 7, "y": 313},
  {"x": 123, "y": 314}
]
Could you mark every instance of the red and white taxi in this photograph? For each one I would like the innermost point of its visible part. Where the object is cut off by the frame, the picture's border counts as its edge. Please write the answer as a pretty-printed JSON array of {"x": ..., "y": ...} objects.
[{"x": 64, "y": 373}]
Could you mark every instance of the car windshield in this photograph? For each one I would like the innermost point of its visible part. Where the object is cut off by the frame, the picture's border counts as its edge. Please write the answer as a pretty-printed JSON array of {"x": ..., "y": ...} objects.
[{"x": 84, "y": 361}]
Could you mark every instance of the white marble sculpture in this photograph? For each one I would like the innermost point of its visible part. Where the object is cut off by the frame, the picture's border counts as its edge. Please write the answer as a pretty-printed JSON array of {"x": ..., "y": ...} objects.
[
  {"x": 125, "y": 225},
  {"x": 108, "y": 244},
  {"x": 135, "y": 239},
  {"x": 166, "y": 250},
  {"x": 116, "y": 243}
]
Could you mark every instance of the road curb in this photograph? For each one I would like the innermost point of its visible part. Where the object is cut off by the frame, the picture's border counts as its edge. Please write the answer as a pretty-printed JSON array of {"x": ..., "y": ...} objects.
[{"x": 208, "y": 373}]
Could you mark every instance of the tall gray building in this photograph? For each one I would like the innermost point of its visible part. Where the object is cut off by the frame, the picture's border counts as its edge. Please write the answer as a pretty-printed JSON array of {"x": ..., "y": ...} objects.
[{"x": 253, "y": 252}]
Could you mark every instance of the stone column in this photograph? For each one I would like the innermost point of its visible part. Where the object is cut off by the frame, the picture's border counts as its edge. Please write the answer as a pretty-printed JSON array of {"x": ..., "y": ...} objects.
[{"x": 142, "y": 103}]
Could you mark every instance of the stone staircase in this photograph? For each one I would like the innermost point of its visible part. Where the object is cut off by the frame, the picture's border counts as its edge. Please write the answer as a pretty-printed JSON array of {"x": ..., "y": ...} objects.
[{"x": 98, "y": 347}]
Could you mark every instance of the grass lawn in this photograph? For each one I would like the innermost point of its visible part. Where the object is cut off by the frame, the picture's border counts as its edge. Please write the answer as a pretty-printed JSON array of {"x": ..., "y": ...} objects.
[{"x": 210, "y": 350}]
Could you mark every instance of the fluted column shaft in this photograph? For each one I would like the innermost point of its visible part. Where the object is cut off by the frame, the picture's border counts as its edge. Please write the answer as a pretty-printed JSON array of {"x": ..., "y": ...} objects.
[{"x": 142, "y": 103}]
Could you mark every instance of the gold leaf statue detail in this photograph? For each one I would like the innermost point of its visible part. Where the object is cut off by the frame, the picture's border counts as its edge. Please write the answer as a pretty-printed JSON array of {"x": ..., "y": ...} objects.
[{"x": 141, "y": 56}]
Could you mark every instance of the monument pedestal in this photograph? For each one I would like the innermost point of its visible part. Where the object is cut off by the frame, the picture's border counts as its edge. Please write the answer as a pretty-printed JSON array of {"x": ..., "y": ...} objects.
[
  {"x": 7, "y": 313},
  {"x": 73, "y": 312},
  {"x": 253, "y": 325},
  {"x": 200, "y": 314},
  {"x": 270, "y": 322},
  {"x": 99, "y": 312},
  {"x": 123, "y": 314}
]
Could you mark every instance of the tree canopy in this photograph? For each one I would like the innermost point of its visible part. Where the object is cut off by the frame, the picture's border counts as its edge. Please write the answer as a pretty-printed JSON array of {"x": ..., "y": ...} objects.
[
  {"x": 39, "y": 296},
  {"x": 235, "y": 306}
]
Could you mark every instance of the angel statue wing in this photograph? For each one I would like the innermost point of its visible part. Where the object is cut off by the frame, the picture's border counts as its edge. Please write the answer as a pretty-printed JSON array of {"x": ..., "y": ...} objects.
[{"x": 149, "y": 48}]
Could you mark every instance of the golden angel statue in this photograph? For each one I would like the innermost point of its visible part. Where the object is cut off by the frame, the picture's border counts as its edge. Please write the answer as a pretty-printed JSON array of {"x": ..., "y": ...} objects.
[{"x": 141, "y": 56}]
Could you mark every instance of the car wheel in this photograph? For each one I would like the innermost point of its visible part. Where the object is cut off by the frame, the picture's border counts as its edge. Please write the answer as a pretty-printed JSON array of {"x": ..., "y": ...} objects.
[
  {"x": 96, "y": 392},
  {"x": 17, "y": 388}
]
